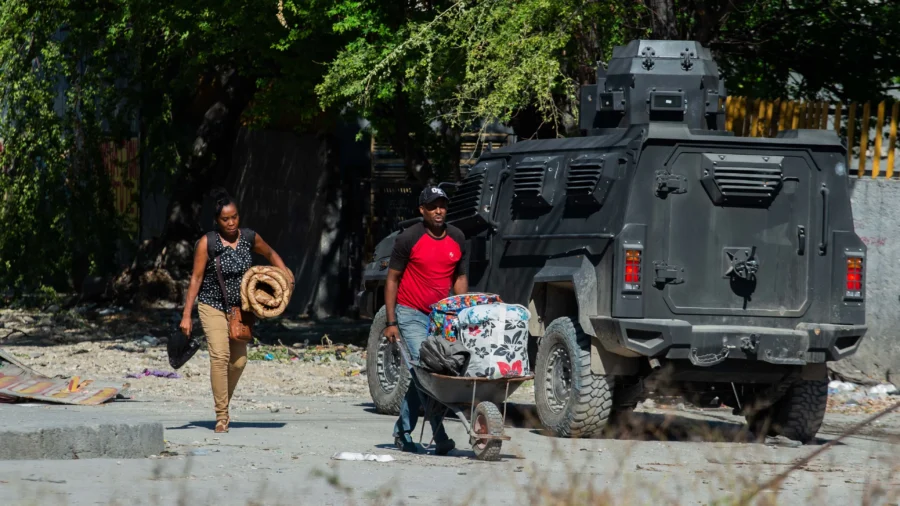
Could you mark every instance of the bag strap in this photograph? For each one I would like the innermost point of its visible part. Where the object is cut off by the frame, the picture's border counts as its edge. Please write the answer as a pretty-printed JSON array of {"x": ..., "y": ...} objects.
[
  {"x": 222, "y": 283},
  {"x": 250, "y": 235},
  {"x": 210, "y": 242}
]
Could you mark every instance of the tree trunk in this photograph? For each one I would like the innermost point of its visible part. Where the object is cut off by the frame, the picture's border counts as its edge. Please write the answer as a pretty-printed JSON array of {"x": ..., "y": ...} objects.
[
  {"x": 663, "y": 23},
  {"x": 397, "y": 130},
  {"x": 163, "y": 264}
]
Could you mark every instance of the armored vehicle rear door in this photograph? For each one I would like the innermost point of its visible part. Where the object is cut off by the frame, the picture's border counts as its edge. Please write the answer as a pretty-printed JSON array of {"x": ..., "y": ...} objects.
[{"x": 740, "y": 234}]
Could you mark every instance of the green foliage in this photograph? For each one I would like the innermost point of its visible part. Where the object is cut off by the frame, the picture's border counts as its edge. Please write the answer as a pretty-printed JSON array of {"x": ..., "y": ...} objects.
[
  {"x": 849, "y": 49},
  {"x": 465, "y": 61},
  {"x": 75, "y": 74},
  {"x": 56, "y": 214},
  {"x": 470, "y": 60}
]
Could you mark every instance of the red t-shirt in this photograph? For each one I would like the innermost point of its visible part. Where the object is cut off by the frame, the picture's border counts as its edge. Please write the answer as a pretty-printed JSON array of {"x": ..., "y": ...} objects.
[{"x": 428, "y": 265}]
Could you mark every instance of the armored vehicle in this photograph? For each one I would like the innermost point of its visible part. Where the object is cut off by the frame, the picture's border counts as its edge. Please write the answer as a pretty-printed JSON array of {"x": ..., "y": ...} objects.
[{"x": 658, "y": 252}]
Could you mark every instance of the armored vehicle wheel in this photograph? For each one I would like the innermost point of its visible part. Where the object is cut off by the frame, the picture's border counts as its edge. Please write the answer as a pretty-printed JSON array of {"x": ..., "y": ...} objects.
[
  {"x": 388, "y": 378},
  {"x": 798, "y": 415},
  {"x": 487, "y": 420},
  {"x": 571, "y": 401}
]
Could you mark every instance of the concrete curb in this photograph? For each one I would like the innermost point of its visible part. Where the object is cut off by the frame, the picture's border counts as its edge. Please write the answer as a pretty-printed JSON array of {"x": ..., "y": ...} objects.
[{"x": 90, "y": 441}]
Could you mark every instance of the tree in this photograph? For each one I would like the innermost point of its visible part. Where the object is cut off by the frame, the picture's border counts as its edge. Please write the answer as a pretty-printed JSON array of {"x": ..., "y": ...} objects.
[
  {"x": 190, "y": 73},
  {"x": 520, "y": 62},
  {"x": 463, "y": 63}
]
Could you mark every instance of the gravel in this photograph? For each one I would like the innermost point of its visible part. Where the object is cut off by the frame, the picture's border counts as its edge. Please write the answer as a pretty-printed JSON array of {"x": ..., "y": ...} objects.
[{"x": 109, "y": 343}]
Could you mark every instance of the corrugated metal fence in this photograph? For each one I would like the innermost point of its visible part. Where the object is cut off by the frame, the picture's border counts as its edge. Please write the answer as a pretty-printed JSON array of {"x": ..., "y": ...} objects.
[{"x": 869, "y": 129}]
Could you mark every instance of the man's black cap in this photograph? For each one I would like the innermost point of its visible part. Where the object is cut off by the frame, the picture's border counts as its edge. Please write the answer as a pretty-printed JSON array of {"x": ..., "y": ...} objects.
[{"x": 430, "y": 194}]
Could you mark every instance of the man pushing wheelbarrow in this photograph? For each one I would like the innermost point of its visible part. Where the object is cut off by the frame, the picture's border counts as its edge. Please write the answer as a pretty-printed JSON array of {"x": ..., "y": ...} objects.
[
  {"x": 428, "y": 260},
  {"x": 465, "y": 352}
]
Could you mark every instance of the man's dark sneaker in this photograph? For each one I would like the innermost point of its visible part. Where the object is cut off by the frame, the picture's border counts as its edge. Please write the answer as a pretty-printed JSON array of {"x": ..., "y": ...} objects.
[
  {"x": 405, "y": 443},
  {"x": 444, "y": 447}
]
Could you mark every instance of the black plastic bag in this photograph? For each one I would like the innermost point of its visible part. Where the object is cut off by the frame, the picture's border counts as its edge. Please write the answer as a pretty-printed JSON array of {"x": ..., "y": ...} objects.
[
  {"x": 181, "y": 348},
  {"x": 440, "y": 356}
]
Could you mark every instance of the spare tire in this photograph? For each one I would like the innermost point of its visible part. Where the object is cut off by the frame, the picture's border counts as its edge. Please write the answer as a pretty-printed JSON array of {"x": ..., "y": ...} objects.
[{"x": 387, "y": 375}]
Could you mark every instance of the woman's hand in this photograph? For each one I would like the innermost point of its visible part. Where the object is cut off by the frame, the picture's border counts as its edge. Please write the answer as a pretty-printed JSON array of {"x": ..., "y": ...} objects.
[
  {"x": 186, "y": 325},
  {"x": 261, "y": 247}
]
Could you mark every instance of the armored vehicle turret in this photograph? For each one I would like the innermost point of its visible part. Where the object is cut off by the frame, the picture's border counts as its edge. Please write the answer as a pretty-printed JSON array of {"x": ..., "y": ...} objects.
[{"x": 659, "y": 252}]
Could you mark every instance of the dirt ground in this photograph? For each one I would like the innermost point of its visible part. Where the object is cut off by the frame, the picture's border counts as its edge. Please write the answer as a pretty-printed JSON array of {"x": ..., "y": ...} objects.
[
  {"x": 292, "y": 357},
  {"x": 304, "y": 397}
]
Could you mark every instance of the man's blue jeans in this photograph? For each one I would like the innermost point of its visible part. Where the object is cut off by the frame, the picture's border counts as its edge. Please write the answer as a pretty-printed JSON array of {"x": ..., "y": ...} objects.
[{"x": 413, "y": 326}]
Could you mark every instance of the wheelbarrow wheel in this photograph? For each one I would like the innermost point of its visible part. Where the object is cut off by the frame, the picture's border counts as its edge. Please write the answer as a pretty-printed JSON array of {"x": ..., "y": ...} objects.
[{"x": 487, "y": 420}]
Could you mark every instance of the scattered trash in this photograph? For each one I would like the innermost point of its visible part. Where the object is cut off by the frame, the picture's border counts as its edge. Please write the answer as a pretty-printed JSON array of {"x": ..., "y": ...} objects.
[
  {"x": 268, "y": 356},
  {"x": 885, "y": 388},
  {"x": 20, "y": 382},
  {"x": 360, "y": 456},
  {"x": 150, "y": 341},
  {"x": 840, "y": 386},
  {"x": 154, "y": 372}
]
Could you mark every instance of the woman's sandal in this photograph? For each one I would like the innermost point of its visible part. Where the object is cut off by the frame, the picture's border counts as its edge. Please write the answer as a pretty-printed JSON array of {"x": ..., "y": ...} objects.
[{"x": 222, "y": 425}]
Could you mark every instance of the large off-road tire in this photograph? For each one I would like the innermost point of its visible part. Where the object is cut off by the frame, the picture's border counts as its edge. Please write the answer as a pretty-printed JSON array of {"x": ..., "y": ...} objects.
[
  {"x": 571, "y": 401},
  {"x": 798, "y": 415},
  {"x": 388, "y": 377}
]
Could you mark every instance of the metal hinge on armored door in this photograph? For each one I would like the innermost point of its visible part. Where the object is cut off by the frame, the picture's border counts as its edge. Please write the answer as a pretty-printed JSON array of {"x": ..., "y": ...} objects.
[
  {"x": 668, "y": 274},
  {"x": 670, "y": 183}
]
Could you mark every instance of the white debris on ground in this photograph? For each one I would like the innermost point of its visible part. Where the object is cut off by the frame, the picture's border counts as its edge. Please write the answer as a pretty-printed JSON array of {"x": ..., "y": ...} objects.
[{"x": 846, "y": 397}]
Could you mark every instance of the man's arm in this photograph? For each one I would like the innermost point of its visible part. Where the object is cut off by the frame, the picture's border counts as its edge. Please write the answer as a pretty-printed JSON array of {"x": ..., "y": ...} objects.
[
  {"x": 461, "y": 285},
  {"x": 399, "y": 259},
  {"x": 460, "y": 277},
  {"x": 391, "y": 287}
]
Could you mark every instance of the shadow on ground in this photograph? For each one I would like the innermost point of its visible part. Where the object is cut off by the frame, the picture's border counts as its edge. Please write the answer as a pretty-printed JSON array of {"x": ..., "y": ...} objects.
[
  {"x": 668, "y": 427},
  {"x": 462, "y": 450},
  {"x": 211, "y": 425}
]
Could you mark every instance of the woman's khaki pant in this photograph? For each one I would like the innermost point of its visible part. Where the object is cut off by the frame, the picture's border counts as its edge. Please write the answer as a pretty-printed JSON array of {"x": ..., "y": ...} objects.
[{"x": 227, "y": 357}]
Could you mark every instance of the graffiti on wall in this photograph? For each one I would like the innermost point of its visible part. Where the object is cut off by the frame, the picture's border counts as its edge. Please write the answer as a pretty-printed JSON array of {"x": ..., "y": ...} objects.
[{"x": 120, "y": 159}]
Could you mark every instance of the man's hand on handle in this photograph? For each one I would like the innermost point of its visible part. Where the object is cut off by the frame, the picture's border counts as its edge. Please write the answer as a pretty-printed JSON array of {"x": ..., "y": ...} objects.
[{"x": 392, "y": 334}]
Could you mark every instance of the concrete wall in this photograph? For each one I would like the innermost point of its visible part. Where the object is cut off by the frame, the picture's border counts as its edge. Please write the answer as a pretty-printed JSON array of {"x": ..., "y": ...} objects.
[{"x": 876, "y": 203}]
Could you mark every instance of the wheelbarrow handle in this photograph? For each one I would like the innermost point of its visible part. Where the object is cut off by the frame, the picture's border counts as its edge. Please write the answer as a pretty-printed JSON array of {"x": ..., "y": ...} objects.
[{"x": 404, "y": 352}]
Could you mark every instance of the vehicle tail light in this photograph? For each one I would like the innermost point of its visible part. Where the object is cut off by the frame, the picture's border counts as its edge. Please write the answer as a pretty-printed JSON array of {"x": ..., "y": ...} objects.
[
  {"x": 632, "y": 269},
  {"x": 854, "y": 277}
]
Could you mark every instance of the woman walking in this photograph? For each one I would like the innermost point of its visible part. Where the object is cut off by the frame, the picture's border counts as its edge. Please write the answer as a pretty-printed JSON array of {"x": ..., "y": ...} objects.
[{"x": 227, "y": 357}]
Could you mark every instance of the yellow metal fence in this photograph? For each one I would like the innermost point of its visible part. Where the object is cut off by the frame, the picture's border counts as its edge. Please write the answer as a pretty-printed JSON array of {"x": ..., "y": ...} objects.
[{"x": 863, "y": 125}]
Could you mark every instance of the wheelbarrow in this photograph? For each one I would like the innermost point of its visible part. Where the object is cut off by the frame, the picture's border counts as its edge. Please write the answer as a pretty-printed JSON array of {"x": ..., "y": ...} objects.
[{"x": 479, "y": 396}]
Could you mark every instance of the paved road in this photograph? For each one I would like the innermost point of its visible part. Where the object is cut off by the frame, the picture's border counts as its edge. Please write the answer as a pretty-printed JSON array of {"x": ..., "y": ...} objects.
[{"x": 685, "y": 457}]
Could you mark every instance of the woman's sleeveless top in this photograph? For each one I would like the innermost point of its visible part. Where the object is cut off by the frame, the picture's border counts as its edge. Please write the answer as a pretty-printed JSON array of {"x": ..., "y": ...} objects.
[{"x": 235, "y": 262}]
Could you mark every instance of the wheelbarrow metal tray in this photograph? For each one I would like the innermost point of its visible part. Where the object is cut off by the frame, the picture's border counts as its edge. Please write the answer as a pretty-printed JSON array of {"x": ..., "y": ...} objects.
[{"x": 458, "y": 389}]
